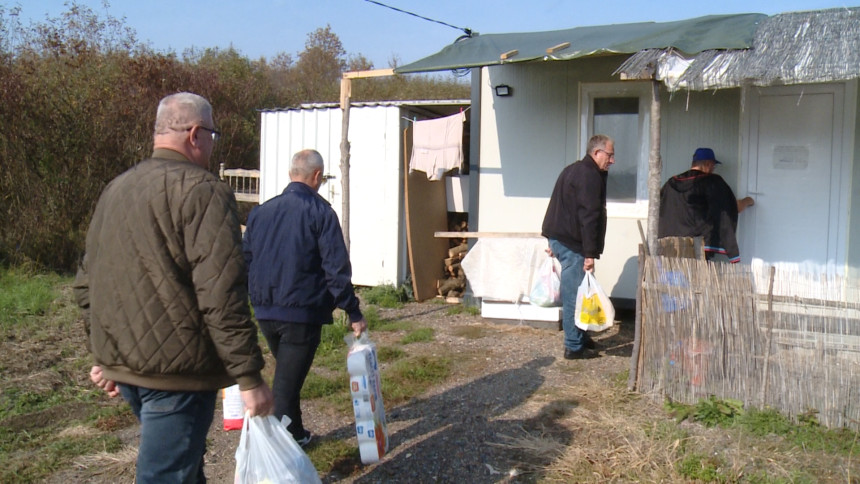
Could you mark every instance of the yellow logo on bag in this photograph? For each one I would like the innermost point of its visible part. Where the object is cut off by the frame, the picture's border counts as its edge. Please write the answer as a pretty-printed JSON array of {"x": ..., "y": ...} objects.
[{"x": 592, "y": 311}]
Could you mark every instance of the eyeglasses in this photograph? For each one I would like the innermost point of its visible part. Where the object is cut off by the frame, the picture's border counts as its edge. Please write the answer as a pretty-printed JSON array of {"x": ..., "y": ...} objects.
[
  {"x": 214, "y": 132},
  {"x": 611, "y": 155}
]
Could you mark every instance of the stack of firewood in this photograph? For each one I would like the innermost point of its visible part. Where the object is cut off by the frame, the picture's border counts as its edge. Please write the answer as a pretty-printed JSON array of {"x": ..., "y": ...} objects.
[{"x": 454, "y": 284}]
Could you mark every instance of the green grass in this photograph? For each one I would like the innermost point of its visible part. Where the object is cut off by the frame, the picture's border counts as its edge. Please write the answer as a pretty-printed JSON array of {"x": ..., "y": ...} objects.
[
  {"x": 701, "y": 468},
  {"x": 409, "y": 377},
  {"x": 334, "y": 454},
  {"x": 419, "y": 335},
  {"x": 318, "y": 386},
  {"x": 460, "y": 309},
  {"x": 24, "y": 297},
  {"x": 386, "y": 354},
  {"x": 56, "y": 453},
  {"x": 386, "y": 296},
  {"x": 392, "y": 326}
]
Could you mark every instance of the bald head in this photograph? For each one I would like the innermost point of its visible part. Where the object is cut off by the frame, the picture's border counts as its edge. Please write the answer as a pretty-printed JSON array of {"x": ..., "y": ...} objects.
[
  {"x": 307, "y": 166},
  {"x": 184, "y": 123}
]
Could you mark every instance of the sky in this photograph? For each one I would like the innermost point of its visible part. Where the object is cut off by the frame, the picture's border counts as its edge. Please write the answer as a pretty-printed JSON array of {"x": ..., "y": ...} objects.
[{"x": 264, "y": 28}]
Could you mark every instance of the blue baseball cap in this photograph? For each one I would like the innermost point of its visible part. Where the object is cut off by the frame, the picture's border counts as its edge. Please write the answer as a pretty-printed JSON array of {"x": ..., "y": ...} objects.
[{"x": 705, "y": 154}]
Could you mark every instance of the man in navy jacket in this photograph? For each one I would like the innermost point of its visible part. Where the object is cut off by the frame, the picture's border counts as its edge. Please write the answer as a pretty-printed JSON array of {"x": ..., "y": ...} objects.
[
  {"x": 575, "y": 225},
  {"x": 298, "y": 273}
]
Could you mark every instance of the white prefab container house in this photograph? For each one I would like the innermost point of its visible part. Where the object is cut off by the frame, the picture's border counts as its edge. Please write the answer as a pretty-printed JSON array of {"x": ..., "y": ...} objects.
[
  {"x": 377, "y": 136},
  {"x": 776, "y": 98}
]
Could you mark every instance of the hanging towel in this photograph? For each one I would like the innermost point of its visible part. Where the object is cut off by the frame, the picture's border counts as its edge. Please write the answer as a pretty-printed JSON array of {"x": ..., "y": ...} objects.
[{"x": 437, "y": 145}]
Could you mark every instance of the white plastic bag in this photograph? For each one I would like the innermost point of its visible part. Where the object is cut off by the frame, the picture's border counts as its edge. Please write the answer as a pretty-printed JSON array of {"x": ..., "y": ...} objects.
[
  {"x": 546, "y": 289},
  {"x": 594, "y": 310},
  {"x": 268, "y": 453}
]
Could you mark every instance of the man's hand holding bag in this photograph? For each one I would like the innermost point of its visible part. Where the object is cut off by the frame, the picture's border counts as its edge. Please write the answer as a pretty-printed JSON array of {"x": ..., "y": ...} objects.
[{"x": 594, "y": 310}]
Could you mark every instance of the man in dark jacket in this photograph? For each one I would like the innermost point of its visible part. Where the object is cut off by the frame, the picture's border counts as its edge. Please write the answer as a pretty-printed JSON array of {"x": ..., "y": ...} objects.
[
  {"x": 298, "y": 273},
  {"x": 575, "y": 224},
  {"x": 699, "y": 203},
  {"x": 164, "y": 293}
]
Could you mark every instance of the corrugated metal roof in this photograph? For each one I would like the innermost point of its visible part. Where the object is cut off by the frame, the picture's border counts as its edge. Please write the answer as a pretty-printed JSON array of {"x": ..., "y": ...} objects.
[
  {"x": 425, "y": 102},
  {"x": 690, "y": 36},
  {"x": 789, "y": 48}
]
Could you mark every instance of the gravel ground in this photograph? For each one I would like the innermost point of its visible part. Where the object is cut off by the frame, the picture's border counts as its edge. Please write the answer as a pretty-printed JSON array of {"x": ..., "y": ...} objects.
[{"x": 505, "y": 380}]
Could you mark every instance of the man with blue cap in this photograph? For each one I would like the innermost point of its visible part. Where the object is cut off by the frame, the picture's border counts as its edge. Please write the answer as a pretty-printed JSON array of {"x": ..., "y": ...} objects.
[{"x": 699, "y": 203}]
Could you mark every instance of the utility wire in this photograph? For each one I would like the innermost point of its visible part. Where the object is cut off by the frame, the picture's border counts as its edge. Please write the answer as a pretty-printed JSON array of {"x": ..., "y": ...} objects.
[{"x": 466, "y": 30}]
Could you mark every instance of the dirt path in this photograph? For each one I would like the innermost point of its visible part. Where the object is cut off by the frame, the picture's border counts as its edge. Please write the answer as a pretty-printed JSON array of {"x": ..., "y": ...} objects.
[{"x": 508, "y": 389}]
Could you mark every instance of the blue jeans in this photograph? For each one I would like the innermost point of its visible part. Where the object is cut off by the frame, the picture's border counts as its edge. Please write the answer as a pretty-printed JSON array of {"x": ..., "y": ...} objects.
[
  {"x": 173, "y": 428},
  {"x": 572, "y": 275},
  {"x": 293, "y": 345}
]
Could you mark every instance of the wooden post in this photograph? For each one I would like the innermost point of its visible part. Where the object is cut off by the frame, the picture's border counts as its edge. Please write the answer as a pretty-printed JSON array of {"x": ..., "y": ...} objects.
[
  {"x": 633, "y": 376},
  {"x": 345, "y": 93},
  {"x": 763, "y": 394},
  {"x": 655, "y": 169}
]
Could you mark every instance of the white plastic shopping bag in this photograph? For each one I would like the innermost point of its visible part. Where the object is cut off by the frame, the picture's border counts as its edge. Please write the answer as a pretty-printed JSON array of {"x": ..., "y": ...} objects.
[
  {"x": 546, "y": 289},
  {"x": 268, "y": 453},
  {"x": 594, "y": 310},
  {"x": 365, "y": 387}
]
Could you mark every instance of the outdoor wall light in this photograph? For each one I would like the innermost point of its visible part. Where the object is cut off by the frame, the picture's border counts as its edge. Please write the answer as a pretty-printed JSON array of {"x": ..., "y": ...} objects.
[{"x": 503, "y": 90}]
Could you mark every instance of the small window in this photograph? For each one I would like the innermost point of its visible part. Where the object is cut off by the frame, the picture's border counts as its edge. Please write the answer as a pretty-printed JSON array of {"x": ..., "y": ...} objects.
[
  {"x": 619, "y": 118},
  {"x": 620, "y": 110}
]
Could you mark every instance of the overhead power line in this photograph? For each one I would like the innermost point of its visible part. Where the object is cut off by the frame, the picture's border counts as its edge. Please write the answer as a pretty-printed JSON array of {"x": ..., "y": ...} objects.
[{"x": 467, "y": 31}]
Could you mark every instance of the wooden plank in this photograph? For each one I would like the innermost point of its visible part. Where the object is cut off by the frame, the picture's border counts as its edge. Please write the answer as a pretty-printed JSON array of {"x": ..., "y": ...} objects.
[
  {"x": 366, "y": 74},
  {"x": 478, "y": 235},
  {"x": 426, "y": 213},
  {"x": 507, "y": 55},
  {"x": 557, "y": 47}
]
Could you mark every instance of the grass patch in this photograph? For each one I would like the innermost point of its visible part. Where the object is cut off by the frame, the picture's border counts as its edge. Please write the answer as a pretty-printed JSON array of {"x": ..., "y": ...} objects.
[
  {"x": 24, "y": 297},
  {"x": 386, "y": 296},
  {"x": 56, "y": 454},
  {"x": 397, "y": 325},
  {"x": 471, "y": 332},
  {"x": 701, "y": 468},
  {"x": 410, "y": 377},
  {"x": 331, "y": 353},
  {"x": 460, "y": 309},
  {"x": 386, "y": 354},
  {"x": 318, "y": 386},
  {"x": 418, "y": 336},
  {"x": 337, "y": 455}
]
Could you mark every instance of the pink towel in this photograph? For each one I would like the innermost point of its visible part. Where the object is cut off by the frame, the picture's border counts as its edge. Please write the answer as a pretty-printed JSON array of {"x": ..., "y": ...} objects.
[{"x": 437, "y": 145}]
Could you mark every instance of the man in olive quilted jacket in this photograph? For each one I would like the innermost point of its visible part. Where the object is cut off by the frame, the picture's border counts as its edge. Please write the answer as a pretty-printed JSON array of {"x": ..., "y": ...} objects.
[{"x": 163, "y": 287}]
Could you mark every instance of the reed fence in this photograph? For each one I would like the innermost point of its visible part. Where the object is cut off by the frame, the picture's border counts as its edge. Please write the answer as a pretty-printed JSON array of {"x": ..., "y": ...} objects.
[{"x": 768, "y": 336}]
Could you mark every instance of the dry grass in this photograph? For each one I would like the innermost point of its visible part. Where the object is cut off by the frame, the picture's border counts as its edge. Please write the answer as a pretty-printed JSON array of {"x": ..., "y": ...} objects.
[{"x": 117, "y": 466}]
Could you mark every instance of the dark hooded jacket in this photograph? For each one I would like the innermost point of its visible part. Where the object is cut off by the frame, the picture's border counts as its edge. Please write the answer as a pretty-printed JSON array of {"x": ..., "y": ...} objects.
[{"x": 698, "y": 204}]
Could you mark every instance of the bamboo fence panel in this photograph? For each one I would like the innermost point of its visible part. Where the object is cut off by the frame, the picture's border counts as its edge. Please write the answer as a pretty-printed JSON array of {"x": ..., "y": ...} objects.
[{"x": 770, "y": 337}]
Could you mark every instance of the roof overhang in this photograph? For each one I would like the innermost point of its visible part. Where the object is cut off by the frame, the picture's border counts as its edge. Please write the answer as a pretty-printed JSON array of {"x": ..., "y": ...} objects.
[{"x": 688, "y": 36}]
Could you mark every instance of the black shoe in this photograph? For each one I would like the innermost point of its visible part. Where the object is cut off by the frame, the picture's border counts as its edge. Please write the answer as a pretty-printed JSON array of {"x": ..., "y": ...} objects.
[
  {"x": 591, "y": 344},
  {"x": 583, "y": 354}
]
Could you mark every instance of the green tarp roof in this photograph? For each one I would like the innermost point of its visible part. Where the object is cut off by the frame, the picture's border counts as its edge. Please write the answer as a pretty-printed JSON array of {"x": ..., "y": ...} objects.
[{"x": 689, "y": 36}]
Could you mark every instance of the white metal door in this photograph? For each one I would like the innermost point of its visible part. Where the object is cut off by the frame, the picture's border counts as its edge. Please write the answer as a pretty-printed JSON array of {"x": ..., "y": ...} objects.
[{"x": 795, "y": 159}]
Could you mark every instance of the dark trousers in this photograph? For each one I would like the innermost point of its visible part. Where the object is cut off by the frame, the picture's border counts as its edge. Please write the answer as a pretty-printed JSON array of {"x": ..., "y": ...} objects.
[
  {"x": 293, "y": 345},
  {"x": 173, "y": 429}
]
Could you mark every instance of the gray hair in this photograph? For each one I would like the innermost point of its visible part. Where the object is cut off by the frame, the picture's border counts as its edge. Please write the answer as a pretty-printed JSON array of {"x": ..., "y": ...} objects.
[
  {"x": 181, "y": 110},
  {"x": 305, "y": 162},
  {"x": 597, "y": 142}
]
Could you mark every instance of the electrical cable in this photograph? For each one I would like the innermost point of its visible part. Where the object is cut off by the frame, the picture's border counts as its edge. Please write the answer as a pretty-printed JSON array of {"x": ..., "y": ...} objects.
[{"x": 466, "y": 30}]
